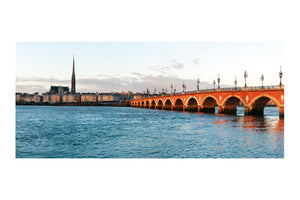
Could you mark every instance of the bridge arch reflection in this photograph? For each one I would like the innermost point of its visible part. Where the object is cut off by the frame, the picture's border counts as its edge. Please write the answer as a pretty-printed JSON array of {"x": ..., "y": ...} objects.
[
  {"x": 168, "y": 104},
  {"x": 192, "y": 104},
  {"x": 147, "y": 104},
  {"x": 209, "y": 104},
  {"x": 230, "y": 104},
  {"x": 178, "y": 105},
  {"x": 160, "y": 104}
]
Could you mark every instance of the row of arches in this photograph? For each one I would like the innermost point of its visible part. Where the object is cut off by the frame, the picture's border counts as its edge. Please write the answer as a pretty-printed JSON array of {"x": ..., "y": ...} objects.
[{"x": 210, "y": 105}]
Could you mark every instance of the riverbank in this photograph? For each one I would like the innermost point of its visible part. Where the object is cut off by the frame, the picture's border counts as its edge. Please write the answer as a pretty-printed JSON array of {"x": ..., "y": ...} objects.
[{"x": 116, "y": 104}]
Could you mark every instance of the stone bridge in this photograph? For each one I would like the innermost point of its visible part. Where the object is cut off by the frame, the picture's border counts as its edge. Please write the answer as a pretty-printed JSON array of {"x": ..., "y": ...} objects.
[{"x": 254, "y": 100}]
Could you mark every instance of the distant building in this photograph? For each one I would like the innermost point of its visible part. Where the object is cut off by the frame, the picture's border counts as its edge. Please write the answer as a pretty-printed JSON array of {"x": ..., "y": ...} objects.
[
  {"x": 71, "y": 98},
  {"x": 108, "y": 97},
  {"x": 59, "y": 90},
  {"x": 89, "y": 98},
  {"x": 55, "y": 98},
  {"x": 18, "y": 97},
  {"x": 126, "y": 95},
  {"x": 51, "y": 98},
  {"x": 28, "y": 98},
  {"x": 46, "y": 97},
  {"x": 39, "y": 98},
  {"x": 138, "y": 96}
]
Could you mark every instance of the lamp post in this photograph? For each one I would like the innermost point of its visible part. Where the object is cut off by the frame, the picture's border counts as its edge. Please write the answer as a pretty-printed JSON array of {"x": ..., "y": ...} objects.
[
  {"x": 214, "y": 82},
  {"x": 235, "y": 82},
  {"x": 280, "y": 76},
  {"x": 245, "y": 76},
  {"x": 219, "y": 81},
  {"x": 182, "y": 87},
  {"x": 171, "y": 88},
  {"x": 198, "y": 82},
  {"x": 262, "y": 81}
]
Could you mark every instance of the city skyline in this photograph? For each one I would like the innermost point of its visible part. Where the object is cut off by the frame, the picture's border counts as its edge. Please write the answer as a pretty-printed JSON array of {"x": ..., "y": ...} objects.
[{"x": 136, "y": 66}]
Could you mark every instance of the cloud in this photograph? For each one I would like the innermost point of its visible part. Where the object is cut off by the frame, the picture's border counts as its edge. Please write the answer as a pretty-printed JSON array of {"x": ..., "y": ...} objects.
[
  {"x": 168, "y": 68},
  {"x": 103, "y": 76},
  {"x": 175, "y": 64},
  {"x": 41, "y": 79},
  {"x": 136, "y": 74},
  {"x": 134, "y": 82},
  {"x": 160, "y": 69}
]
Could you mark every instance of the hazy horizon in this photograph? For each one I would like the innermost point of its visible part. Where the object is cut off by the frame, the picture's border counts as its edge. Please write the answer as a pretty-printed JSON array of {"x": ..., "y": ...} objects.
[{"x": 136, "y": 66}]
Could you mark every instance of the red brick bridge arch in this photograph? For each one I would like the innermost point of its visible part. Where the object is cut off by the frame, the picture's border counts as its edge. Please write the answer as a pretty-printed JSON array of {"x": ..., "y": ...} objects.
[{"x": 254, "y": 100}]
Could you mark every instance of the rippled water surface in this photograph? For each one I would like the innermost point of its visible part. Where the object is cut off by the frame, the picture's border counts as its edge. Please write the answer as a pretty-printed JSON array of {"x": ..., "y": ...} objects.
[{"x": 124, "y": 132}]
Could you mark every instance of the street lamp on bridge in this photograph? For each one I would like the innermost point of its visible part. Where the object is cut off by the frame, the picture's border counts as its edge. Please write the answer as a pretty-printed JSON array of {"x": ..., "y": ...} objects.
[
  {"x": 235, "y": 82},
  {"x": 245, "y": 76},
  {"x": 198, "y": 82},
  {"x": 171, "y": 88},
  {"x": 262, "y": 81},
  {"x": 214, "y": 82},
  {"x": 219, "y": 81},
  {"x": 183, "y": 87},
  {"x": 280, "y": 76}
]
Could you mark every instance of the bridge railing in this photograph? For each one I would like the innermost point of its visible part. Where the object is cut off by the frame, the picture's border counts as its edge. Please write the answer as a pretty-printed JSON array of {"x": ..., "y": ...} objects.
[
  {"x": 222, "y": 89},
  {"x": 262, "y": 87},
  {"x": 232, "y": 88}
]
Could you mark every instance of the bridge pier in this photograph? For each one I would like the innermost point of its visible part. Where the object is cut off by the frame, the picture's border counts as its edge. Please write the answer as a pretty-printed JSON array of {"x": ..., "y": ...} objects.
[
  {"x": 281, "y": 112},
  {"x": 201, "y": 108},
  {"x": 220, "y": 109},
  {"x": 247, "y": 110}
]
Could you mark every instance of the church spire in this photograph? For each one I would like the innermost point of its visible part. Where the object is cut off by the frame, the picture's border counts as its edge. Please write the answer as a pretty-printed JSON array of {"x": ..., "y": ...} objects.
[{"x": 73, "y": 90}]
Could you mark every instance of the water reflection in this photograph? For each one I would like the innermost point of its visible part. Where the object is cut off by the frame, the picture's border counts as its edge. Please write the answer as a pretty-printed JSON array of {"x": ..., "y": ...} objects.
[
  {"x": 269, "y": 130},
  {"x": 259, "y": 124}
]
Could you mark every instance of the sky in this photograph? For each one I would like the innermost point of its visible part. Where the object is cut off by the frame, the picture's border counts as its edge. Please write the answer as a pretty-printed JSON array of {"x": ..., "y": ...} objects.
[{"x": 136, "y": 66}]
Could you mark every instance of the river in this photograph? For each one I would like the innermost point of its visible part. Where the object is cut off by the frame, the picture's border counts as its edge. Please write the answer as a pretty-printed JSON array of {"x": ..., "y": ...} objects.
[{"x": 126, "y": 132}]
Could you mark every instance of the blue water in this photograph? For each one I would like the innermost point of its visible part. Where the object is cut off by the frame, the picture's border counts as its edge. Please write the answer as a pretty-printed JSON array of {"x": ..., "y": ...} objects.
[{"x": 124, "y": 132}]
